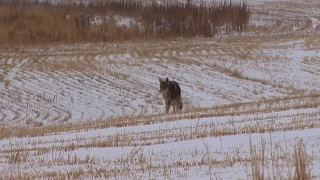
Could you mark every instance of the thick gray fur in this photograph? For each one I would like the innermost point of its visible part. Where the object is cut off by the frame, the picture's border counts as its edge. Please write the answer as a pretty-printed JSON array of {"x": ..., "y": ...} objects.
[{"x": 171, "y": 93}]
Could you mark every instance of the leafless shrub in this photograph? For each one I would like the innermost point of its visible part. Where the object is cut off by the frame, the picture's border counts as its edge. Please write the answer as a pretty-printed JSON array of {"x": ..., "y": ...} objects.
[
  {"x": 47, "y": 22},
  {"x": 82, "y": 22}
]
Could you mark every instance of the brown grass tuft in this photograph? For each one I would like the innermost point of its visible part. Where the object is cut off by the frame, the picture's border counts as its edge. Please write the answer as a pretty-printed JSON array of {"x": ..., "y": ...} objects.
[{"x": 301, "y": 162}]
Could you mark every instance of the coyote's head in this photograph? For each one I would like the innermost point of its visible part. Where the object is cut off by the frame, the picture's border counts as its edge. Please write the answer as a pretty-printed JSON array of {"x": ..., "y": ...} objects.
[{"x": 164, "y": 85}]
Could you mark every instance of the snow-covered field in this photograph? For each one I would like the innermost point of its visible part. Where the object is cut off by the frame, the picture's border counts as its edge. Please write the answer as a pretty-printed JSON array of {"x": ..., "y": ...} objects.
[{"x": 94, "y": 111}]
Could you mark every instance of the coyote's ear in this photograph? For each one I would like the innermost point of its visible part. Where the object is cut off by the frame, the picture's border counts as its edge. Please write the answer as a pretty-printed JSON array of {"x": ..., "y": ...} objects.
[
  {"x": 167, "y": 80},
  {"x": 160, "y": 80}
]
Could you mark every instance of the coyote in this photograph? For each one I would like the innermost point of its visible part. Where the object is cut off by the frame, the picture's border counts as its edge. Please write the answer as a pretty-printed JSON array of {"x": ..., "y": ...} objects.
[{"x": 171, "y": 93}]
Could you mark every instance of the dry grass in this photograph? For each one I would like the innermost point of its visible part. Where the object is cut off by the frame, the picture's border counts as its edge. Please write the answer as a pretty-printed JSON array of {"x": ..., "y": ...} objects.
[
  {"x": 265, "y": 160},
  {"x": 297, "y": 163},
  {"x": 33, "y": 22},
  {"x": 301, "y": 162},
  {"x": 279, "y": 104}
]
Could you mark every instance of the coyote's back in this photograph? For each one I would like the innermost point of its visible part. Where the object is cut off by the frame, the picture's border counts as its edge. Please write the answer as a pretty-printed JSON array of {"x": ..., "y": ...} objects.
[{"x": 171, "y": 93}]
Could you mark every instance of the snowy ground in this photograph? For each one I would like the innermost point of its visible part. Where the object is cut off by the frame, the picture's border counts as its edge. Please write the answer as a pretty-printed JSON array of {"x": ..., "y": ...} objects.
[
  {"x": 73, "y": 84},
  {"x": 93, "y": 111},
  {"x": 193, "y": 148}
]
